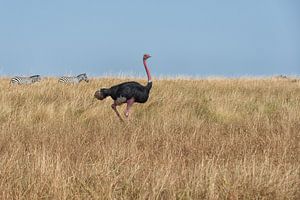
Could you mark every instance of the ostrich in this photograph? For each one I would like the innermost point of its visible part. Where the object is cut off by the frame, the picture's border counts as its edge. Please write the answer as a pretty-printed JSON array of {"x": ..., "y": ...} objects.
[{"x": 128, "y": 92}]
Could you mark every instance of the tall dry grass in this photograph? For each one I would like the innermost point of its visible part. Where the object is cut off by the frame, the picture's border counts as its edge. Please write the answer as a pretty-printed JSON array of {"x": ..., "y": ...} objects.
[{"x": 193, "y": 139}]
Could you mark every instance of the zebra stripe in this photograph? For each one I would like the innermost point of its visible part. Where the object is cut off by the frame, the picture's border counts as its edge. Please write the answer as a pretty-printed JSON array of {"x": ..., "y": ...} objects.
[
  {"x": 19, "y": 80},
  {"x": 73, "y": 79}
]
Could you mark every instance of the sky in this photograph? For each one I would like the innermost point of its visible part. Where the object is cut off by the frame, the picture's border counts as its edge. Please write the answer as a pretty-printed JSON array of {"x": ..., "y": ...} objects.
[{"x": 191, "y": 38}]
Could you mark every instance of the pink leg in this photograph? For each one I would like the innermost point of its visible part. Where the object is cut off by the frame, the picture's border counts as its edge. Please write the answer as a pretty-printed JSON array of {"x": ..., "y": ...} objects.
[
  {"x": 114, "y": 107},
  {"x": 129, "y": 104}
]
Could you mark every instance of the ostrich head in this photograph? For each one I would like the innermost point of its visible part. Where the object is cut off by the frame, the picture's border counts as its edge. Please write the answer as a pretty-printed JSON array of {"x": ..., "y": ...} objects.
[
  {"x": 101, "y": 94},
  {"x": 146, "y": 56}
]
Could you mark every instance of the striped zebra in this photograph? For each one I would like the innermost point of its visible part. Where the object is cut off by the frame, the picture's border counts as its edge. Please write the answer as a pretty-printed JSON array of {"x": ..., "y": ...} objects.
[
  {"x": 19, "y": 80},
  {"x": 73, "y": 79}
]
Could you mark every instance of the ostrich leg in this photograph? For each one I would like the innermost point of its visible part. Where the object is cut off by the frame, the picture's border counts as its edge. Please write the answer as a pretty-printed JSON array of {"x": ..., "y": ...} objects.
[
  {"x": 129, "y": 104},
  {"x": 114, "y": 107},
  {"x": 117, "y": 102}
]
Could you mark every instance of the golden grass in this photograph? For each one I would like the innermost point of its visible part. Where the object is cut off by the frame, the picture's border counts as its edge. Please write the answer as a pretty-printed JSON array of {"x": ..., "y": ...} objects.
[{"x": 193, "y": 139}]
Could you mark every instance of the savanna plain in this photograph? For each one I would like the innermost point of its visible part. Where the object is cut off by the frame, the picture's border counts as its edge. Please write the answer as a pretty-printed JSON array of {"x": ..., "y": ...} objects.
[{"x": 211, "y": 138}]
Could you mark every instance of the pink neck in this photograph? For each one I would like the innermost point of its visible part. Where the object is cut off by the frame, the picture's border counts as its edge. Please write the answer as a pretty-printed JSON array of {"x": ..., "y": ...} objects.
[{"x": 147, "y": 71}]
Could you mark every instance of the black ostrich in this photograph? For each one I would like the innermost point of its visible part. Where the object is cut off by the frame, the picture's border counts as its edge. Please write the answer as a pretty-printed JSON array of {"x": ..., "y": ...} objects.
[{"x": 128, "y": 92}]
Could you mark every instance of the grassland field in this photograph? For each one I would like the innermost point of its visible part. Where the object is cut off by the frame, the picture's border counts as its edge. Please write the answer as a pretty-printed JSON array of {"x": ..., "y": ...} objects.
[{"x": 212, "y": 138}]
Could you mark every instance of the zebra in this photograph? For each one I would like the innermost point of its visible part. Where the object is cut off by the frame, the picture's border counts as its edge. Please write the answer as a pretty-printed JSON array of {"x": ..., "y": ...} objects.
[
  {"x": 19, "y": 80},
  {"x": 73, "y": 79}
]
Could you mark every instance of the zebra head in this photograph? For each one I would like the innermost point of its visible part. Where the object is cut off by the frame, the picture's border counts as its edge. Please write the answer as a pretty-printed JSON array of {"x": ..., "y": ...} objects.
[
  {"x": 35, "y": 78},
  {"x": 83, "y": 77}
]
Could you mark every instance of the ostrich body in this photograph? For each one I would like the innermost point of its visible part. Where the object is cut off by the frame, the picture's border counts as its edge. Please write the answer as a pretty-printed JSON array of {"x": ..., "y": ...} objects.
[{"x": 127, "y": 92}]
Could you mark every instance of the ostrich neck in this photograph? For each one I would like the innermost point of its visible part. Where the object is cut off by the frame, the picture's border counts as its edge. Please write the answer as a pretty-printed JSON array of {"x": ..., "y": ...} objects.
[{"x": 147, "y": 71}]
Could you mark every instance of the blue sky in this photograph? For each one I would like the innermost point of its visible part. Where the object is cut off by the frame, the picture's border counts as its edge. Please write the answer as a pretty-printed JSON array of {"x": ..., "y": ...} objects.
[{"x": 193, "y": 37}]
